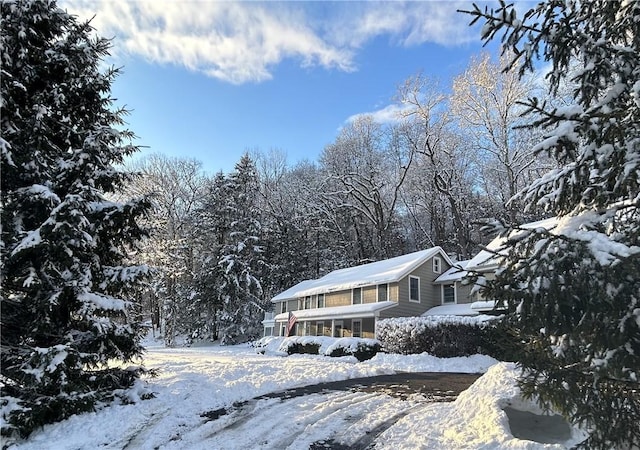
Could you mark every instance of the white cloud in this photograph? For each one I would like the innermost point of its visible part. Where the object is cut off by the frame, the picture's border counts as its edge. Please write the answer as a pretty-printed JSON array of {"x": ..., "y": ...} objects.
[
  {"x": 390, "y": 114},
  {"x": 241, "y": 42}
]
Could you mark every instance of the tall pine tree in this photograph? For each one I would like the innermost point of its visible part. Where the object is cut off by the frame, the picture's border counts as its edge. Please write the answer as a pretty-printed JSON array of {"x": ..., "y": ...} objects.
[
  {"x": 574, "y": 290},
  {"x": 241, "y": 260},
  {"x": 67, "y": 288}
]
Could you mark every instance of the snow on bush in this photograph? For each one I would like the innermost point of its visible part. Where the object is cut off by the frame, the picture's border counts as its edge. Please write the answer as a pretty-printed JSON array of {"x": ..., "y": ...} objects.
[
  {"x": 442, "y": 336},
  {"x": 361, "y": 348}
]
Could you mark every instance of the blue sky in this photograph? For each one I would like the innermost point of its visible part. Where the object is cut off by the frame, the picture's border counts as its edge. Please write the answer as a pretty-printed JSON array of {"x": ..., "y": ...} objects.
[{"x": 210, "y": 80}]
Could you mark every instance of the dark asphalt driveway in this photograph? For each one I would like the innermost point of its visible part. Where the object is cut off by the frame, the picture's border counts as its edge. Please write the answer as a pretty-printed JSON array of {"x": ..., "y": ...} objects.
[{"x": 335, "y": 398}]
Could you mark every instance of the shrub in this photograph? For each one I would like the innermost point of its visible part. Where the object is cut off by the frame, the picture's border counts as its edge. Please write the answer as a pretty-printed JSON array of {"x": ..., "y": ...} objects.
[
  {"x": 362, "y": 349},
  {"x": 441, "y": 336},
  {"x": 310, "y": 348}
]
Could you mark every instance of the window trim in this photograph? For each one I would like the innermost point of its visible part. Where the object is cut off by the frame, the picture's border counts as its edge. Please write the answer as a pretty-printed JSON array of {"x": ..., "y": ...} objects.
[
  {"x": 413, "y": 277},
  {"x": 337, "y": 324},
  {"x": 378, "y": 292},
  {"x": 318, "y": 300},
  {"x": 353, "y": 334},
  {"x": 353, "y": 295},
  {"x": 455, "y": 294},
  {"x": 439, "y": 264}
]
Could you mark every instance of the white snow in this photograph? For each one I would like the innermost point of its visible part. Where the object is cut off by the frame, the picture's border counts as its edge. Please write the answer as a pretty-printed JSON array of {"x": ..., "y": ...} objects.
[
  {"x": 455, "y": 273},
  {"x": 103, "y": 301},
  {"x": 196, "y": 380},
  {"x": 491, "y": 256},
  {"x": 476, "y": 419},
  {"x": 456, "y": 309}
]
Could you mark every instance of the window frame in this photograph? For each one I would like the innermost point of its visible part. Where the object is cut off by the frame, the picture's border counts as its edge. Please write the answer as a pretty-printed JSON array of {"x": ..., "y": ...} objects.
[
  {"x": 413, "y": 277},
  {"x": 353, "y": 331},
  {"x": 455, "y": 294},
  {"x": 283, "y": 307},
  {"x": 353, "y": 290},
  {"x": 378, "y": 292},
  {"x": 437, "y": 261},
  {"x": 320, "y": 327},
  {"x": 337, "y": 325},
  {"x": 318, "y": 300},
  {"x": 307, "y": 302}
]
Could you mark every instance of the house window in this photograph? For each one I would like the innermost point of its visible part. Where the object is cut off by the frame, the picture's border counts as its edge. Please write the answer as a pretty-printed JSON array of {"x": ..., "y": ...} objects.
[
  {"x": 356, "y": 296},
  {"x": 383, "y": 292},
  {"x": 284, "y": 307},
  {"x": 437, "y": 265},
  {"x": 283, "y": 330},
  {"x": 319, "y": 328},
  {"x": 320, "y": 300},
  {"x": 448, "y": 293},
  {"x": 307, "y": 302},
  {"x": 357, "y": 328},
  {"x": 337, "y": 328},
  {"x": 414, "y": 289}
]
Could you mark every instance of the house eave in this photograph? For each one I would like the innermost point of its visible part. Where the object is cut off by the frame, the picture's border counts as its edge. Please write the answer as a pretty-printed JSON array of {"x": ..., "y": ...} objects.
[{"x": 365, "y": 310}]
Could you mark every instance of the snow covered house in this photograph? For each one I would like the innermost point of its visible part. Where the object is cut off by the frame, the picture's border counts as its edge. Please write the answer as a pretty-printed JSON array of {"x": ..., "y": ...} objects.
[{"x": 348, "y": 302}]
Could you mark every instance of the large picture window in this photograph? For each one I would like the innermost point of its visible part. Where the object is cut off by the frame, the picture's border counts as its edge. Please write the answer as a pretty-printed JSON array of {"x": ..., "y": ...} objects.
[{"x": 414, "y": 289}]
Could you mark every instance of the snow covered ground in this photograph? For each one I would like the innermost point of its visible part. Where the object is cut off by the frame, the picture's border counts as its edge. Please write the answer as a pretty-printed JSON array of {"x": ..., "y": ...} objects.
[{"x": 197, "y": 380}]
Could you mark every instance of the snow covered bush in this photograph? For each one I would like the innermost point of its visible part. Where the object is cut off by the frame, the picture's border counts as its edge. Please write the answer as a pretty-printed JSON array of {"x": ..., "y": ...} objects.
[
  {"x": 69, "y": 325},
  {"x": 441, "y": 336},
  {"x": 361, "y": 348},
  {"x": 301, "y": 346},
  {"x": 573, "y": 290}
]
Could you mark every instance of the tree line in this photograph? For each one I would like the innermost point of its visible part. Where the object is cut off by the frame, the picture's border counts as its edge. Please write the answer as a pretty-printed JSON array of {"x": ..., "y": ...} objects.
[{"x": 222, "y": 245}]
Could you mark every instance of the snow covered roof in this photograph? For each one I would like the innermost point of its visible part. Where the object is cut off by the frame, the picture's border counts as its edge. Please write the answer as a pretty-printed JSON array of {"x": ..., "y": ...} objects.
[
  {"x": 290, "y": 293},
  {"x": 455, "y": 273},
  {"x": 338, "y": 312},
  {"x": 489, "y": 259},
  {"x": 485, "y": 305},
  {"x": 457, "y": 309},
  {"x": 379, "y": 272}
]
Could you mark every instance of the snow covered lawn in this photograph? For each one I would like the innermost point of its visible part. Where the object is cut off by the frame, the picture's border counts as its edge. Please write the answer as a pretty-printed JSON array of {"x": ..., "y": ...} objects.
[{"x": 196, "y": 380}]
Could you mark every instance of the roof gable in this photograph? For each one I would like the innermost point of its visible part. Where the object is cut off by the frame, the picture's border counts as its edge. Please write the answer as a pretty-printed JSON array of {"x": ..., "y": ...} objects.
[{"x": 455, "y": 273}]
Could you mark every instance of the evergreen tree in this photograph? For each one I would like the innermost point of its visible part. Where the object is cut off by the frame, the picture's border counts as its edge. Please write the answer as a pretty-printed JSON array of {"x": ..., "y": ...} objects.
[
  {"x": 573, "y": 289},
  {"x": 212, "y": 228},
  {"x": 66, "y": 284},
  {"x": 241, "y": 259}
]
